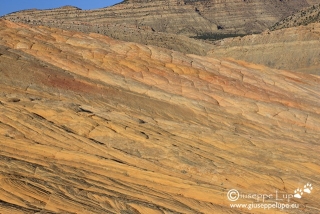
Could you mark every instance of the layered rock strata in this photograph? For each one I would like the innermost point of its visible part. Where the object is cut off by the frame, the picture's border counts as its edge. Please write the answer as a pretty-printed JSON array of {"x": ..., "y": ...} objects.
[
  {"x": 295, "y": 48},
  {"x": 137, "y": 21},
  {"x": 89, "y": 124},
  {"x": 174, "y": 16},
  {"x": 303, "y": 17}
]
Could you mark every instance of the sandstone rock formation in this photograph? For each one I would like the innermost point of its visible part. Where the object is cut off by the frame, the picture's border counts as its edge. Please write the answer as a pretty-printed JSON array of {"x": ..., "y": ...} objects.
[
  {"x": 303, "y": 17},
  {"x": 296, "y": 48},
  {"x": 122, "y": 30},
  {"x": 138, "y": 20},
  {"x": 89, "y": 124}
]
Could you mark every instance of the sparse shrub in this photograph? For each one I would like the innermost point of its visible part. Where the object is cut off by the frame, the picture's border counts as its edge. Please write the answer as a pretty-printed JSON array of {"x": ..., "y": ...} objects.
[{"x": 216, "y": 36}]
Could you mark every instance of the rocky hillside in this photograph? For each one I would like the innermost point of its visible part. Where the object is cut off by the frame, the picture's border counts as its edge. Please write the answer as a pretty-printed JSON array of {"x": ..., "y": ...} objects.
[
  {"x": 303, "y": 17},
  {"x": 89, "y": 124},
  {"x": 294, "y": 48},
  {"x": 141, "y": 20}
]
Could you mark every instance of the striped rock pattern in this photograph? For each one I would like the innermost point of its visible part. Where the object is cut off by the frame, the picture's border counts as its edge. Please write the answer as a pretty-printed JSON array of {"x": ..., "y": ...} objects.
[
  {"x": 89, "y": 124},
  {"x": 141, "y": 21},
  {"x": 295, "y": 48}
]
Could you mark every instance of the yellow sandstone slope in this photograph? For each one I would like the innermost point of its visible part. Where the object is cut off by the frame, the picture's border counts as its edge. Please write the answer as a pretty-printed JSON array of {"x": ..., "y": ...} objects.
[{"x": 89, "y": 124}]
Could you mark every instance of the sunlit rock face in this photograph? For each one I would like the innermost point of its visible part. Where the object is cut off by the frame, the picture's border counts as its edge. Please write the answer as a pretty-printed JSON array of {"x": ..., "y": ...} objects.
[
  {"x": 188, "y": 17},
  {"x": 141, "y": 21},
  {"x": 89, "y": 124}
]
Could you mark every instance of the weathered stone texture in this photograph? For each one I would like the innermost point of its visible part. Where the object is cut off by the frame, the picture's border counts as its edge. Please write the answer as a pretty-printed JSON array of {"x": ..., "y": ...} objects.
[{"x": 89, "y": 124}]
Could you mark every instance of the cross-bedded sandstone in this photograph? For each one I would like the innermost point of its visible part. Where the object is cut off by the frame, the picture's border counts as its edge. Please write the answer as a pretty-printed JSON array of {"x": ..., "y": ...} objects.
[{"x": 89, "y": 124}]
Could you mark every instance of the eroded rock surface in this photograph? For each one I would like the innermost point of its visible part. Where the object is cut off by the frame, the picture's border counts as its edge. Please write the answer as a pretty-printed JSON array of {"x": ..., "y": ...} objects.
[
  {"x": 89, "y": 124},
  {"x": 186, "y": 17},
  {"x": 141, "y": 21},
  {"x": 295, "y": 48}
]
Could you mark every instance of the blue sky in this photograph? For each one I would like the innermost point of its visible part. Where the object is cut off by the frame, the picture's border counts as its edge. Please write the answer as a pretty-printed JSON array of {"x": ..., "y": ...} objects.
[{"x": 8, "y": 6}]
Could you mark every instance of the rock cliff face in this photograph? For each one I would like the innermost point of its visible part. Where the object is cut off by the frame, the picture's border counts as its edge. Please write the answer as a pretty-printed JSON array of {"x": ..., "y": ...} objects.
[
  {"x": 294, "y": 48},
  {"x": 89, "y": 124},
  {"x": 182, "y": 17}
]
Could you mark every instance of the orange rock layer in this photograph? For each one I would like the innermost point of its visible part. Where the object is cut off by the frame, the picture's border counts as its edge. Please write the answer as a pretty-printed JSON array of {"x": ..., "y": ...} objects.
[{"x": 89, "y": 124}]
